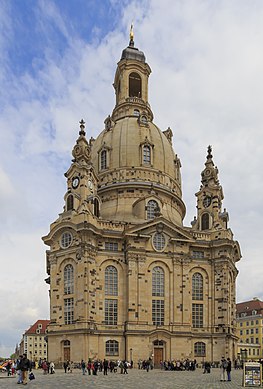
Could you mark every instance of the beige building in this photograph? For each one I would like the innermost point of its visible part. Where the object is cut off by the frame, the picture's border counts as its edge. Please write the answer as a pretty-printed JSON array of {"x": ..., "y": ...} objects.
[
  {"x": 34, "y": 341},
  {"x": 250, "y": 329},
  {"x": 127, "y": 278}
]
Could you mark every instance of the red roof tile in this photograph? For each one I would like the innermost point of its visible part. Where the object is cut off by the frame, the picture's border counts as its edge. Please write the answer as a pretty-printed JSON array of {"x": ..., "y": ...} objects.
[{"x": 40, "y": 323}]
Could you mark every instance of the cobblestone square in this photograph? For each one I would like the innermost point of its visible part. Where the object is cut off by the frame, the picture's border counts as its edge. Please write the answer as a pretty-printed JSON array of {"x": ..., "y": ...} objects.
[{"x": 136, "y": 379}]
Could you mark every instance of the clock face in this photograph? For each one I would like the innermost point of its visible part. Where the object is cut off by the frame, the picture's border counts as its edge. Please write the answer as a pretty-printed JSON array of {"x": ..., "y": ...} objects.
[
  {"x": 207, "y": 201},
  {"x": 90, "y": 184},
  {"x": 75, "y": 182}
]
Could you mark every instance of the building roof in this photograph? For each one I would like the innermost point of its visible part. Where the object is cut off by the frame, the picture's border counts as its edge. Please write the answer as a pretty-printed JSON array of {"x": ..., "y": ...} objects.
[
  {"x": 39, "y": 327},
  {"x": 249, "y": 306}
]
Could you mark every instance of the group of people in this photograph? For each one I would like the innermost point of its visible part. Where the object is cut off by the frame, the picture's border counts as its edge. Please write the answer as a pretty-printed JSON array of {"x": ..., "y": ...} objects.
[
  {"x": 225, "y": 367},
  {"x": 92, "y": 367},
  {"x": 178, "y": 365},
  {"x": 22, "y": 367}
]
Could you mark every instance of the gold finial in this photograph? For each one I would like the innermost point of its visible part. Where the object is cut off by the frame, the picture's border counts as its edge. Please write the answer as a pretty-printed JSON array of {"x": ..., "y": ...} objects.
[{"x": 131, "y": 35}]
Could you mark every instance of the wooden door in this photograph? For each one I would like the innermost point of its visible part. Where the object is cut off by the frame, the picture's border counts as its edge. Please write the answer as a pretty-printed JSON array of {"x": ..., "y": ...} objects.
[
  {"x": 66, "y": 353},
  {"x": 158, "y": 356}
]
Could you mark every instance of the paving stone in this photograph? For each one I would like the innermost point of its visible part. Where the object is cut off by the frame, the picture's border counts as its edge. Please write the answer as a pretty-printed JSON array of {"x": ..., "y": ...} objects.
[{"x": 135, "y": 379}]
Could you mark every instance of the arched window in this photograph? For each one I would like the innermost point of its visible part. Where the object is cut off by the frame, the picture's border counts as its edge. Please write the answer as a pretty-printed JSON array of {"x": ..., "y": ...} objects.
[
  {"x": 146, "y": 154},
  {"x": 199, "y": 349},
  {"x": 112, "y": 347},
  {"x": 103, "y": 159},
  {"x": 197, "y": 286},
  {"x": 136, "y": 112},
  {"x": 158, "y": 294},
  {"x": 152, "y": 207},
  {"x": 205, "y": 221},
  {"x": 135, "y": 85},
  {"x": 111, "y": 281},
  {"x": 158, "y": 281},
  {"x": 68, "y": 279},
  {"x": 70, "y": 202},
  {"x": 96, "y": 207}
]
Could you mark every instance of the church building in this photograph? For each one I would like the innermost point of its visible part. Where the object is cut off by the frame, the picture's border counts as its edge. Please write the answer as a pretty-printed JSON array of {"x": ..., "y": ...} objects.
[{"x": 127, "y": 279}]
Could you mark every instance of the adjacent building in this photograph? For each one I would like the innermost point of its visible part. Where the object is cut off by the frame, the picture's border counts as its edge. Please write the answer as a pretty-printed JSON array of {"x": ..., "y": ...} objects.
[
  {"x": 34, "y": 342},
  {"x": 250, "y": 329},
  {"x": 128, "y": 280}
]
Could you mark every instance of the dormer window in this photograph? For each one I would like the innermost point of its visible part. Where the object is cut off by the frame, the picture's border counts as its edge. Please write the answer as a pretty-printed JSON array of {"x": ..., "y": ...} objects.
[
  {"x": 136, "y": 113},
  {"x": 135, "y": 85},
  {"x": 152, "y": 208},
  {"x": 254, "y": 312},
  {"x": 146, "y": 154},
  {"x": 103, "y": 159}
]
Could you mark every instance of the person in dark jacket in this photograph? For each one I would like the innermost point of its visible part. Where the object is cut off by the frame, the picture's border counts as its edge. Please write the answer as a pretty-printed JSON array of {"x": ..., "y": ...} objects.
[
  {"x": 228, "y": 369},
  {"x": 25, "y": 365}
]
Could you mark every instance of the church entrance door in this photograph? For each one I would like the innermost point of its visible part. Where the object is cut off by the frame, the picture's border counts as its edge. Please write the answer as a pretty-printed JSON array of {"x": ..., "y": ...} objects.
[{"x": 158, "y": 356}]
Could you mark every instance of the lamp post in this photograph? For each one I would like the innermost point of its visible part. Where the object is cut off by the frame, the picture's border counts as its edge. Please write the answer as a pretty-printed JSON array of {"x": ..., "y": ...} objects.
[{"x": 130, "y": 354}]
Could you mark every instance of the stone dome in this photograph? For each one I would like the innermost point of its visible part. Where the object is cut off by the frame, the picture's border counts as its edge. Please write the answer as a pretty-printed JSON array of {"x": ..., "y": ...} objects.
[{"x": 128, "y": 172}]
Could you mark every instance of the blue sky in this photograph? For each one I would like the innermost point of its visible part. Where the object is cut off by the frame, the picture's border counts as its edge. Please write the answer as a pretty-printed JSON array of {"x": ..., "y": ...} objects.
[{"x": 57, "y": 65}]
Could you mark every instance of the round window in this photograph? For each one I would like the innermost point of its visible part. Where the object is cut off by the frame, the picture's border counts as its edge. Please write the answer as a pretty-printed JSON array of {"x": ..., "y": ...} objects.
[
  {"x": 158, "y": 241},
  {"x": 66, "y": 240}
]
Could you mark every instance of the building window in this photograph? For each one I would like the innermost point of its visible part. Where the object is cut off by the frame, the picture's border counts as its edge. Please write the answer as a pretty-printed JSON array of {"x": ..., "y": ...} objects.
[
  {"x": 247, "y": 332},
  {"x": 111, "y": 246},
  {"x": 146, "y": 155},
  {"x": 103, "y": 159},
  {"x": 252, "y": 331},
  {"x": 152, "y": 207},
  {"x": 66, "y": 240},
  {"x": 158, "y": 312},
  {"x": 70, "y": 202},
  {"x": 241, "y": 332},
  {"x": 199, "y": 349},
  {"x": 135, "y": 85},
  {"x": 205, "y": 221},
  {"x": 111, "y": 312},
  {"x": 68, "y": 279},
  {"x": 197, "y": 286},
  {"x": 112, "y": 347},
  {"x": 257, "y": 340},
  {"x": 96, "y": 207},
  {"x": 197, "y": 315},
  {"x": 252, "y": 322},
  {"x": 111, "y": 281},
  {"x": 158, "y": 241},
  {"x": 136, "y": 112},
  {"x": 158, "y": 281},
  {"x": 69, "y": 310}
]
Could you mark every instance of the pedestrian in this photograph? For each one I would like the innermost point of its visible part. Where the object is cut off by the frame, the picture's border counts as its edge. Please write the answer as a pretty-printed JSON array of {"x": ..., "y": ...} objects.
[
  {"x": 89, "y": 365},
  {"x": 52, "y": 368},
  {"x": 125, "y": 366},
  {"x": 83, "y": 367},
  {"x": 45, "y": 366},
  {"x": 105, "y": 367},
  {"x": 65, "y": 365},
  {"x": 228, "y": 369},
  {"x": 223, "y": 367},
  {"x": 18, "y": 370},
  {"x": 25, "y": 366}
]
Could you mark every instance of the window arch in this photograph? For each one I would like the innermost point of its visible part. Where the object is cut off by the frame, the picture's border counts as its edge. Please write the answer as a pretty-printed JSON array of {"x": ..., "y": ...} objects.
[
  {"x": 135, "y": 85},
  {"x": 68, "y": 279},
  {"x": 152, "y": 207},
  {"x": 199, "y": 349},
  {"x": 103, "y": 159},
  {"x": 112, "y": 347},
  {"x": 70, "y": 202},
  {"x": 111, "y": 281},
  {"x": 96, "y": 207},
  {"x": 197, "y": 286},
  {"x": 147, "y": 154},
  {"x": 205, "y": 221},
  {"x": 158, "y": 281}
]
